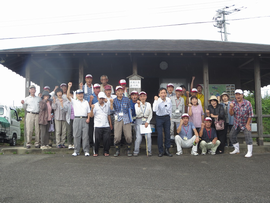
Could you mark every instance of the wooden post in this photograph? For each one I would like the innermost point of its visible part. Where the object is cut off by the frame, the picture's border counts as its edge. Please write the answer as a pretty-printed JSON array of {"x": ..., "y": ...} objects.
[
  {"x": 205, "y": 81},
  {"x": 80, "y": 71},
  {"x": 134, "y": 66},
  {"x": 258, "y": 99}
]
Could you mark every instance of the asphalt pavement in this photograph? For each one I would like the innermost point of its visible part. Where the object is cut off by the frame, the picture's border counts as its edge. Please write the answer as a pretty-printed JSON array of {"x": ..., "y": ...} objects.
[{"x": 63, "y": 178}]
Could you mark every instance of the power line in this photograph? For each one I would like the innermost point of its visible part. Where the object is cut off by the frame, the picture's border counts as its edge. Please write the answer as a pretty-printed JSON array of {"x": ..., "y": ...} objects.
[{"x": 126, "y": 29}]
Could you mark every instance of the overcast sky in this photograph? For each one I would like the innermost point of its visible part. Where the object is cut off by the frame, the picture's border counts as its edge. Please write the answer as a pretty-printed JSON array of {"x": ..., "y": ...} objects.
[{"x": 23, "y": 22}]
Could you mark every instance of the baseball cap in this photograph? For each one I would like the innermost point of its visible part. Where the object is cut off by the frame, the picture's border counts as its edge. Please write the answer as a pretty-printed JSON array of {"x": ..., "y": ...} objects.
[
  {"x": 63, "y": 84},
  {"x": 79, "y": 91},
  {"x": 142, "y": 92},
  {"x": 107, "y": 87},
  {"x": 134, "y": 92},
  {"x": 122, "y": 82},
  {"x": 46, "y": 87},
  {"x": 194, "y": 90},
  {"x": 101, "y": 95},
  {"x": 118, "y": 87},
  {"x": 179, "y": 89},
  {"x": 208, "y": 119},
  {"x": 199, "y": 86},
  {"x": 185, "y": 115},
  {"x": 96, "y": 85},
  {"x": 88, "y": 76},
  {"x": 170, "y": 85},
  {"x": 238, "y": 91},
  {"x": 32, "y": 86}
]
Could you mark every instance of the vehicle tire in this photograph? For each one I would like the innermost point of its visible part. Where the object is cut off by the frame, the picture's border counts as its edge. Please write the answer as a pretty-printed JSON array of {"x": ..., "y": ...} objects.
[{"x": 13, "y": 141}]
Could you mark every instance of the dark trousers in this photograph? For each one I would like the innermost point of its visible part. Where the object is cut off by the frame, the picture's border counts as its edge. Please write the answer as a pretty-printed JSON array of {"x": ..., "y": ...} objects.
[
  {"x": 105, "y": 134},
  {"x": 91, "y": 131},
  {"x": 222, "y": 138},
  {"x": 226, "y": 127},
  {"x": 163, "y": 122}
]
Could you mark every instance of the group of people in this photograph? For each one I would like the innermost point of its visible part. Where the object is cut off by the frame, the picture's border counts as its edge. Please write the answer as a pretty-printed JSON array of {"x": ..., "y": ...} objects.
[{"x": 93, "y": 113}]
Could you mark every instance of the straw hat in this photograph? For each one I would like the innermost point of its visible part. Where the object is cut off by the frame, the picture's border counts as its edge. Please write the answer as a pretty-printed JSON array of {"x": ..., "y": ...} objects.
[{"x": 213, "y": 97}]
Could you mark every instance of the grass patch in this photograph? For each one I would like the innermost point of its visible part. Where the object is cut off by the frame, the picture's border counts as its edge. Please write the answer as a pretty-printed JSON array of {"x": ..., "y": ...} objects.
[
  {"x": 14, "y": 152},
  {"x": 1, "y": 153}
]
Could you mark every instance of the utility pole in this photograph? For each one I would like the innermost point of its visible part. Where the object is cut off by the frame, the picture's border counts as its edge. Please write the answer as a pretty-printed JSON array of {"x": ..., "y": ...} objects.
[{"x": 220, "y": 20}]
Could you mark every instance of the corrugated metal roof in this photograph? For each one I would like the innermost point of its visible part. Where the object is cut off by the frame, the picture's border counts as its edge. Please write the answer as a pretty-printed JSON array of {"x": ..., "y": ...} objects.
[{"x": 133, "y": 46}]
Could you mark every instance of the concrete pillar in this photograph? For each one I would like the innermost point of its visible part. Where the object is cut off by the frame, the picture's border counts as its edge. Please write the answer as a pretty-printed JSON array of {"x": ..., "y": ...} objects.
[
  {"x": 258, "y": 99},
  {"x": 81, "y": 74},
  {"x": 205, "y": 81}
]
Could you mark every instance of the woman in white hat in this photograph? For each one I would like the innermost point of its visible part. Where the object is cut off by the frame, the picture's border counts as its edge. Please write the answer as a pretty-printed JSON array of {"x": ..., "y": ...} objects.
[{"x": 217, "y": 114}]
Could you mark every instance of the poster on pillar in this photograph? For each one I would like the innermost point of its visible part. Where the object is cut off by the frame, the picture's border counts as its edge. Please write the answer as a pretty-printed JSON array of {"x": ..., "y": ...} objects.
[{"x": 218, "y": 89}]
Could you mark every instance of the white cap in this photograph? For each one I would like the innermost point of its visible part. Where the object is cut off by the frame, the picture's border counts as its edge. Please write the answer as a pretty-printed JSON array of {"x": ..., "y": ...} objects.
[
  {"x": 79, "y": 91},
  {"x": 134, "y": 92},
  {"x": 122, "y": 81},
  {"x": 118, "y": 87},
  {"x": 185, "y": 115},
  {"x": 208, "y": 119},
  {"x": 179, "y": 89},
  {"x": 170, "y": 85},
  {"x": 46, "y": 87},
  {"x": 96, "y": 85},
  {"x": 142, "y": 92},
  {"x": 63, "y": 84},
  {"x": 238, "y": 91},
  {"x": 102, "y": 95},
  {"x": 89, "y": 76},
  {"x": 194, "y": 90}
]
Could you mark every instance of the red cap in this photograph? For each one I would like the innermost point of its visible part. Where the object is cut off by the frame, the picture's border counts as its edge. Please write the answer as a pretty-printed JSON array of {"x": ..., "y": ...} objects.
[
  {"x": 108, "y": 87},
  {"x": 88, "y": 76},
  {"x": 118, "y": 87},
  {"x": 122, "y": 82}
]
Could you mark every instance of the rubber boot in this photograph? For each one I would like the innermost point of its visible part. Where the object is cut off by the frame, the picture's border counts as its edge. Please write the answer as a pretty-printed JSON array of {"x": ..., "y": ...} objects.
[
  {"x": 236, "y": 149},
  {"x": 249, "y": 153},
  {"x": 117, "y": 151}
]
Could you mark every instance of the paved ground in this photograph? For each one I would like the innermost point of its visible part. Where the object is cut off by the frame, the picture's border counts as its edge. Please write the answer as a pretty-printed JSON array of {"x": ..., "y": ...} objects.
[{"x": 63, "y": 178}]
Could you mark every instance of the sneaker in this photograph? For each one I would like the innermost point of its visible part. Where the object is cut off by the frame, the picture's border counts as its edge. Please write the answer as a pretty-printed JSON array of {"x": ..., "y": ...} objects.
[
  {"x": 37, "y": 146},
  {"x": 28, "y": 147},
  {"x": 129, "y": 153},
  {"x": 149, "y": 154},
  {"x": 63, "y": 146},
  {"x": 75, "y": 154},
  {"x": 48, "y": 146},
  {"x": 179, "y": 153},
  {"x": 194, "y": 153},
  {"x": 203, "y": 153},
  {"x": 135, "y": 154},
  {"x": 43, "y": 147},
  {"x": 212, "y": 153},
  {"x": 59, "y": 146},
  {"x": 70, "y": 146},
  {"x": 117, "y": 153},
  {"x": 86, "y": 154}
]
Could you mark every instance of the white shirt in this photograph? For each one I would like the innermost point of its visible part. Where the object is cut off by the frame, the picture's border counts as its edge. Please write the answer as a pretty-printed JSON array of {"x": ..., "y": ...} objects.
[
  {"x": 31, "y": 104},
  {"x": 101, "y": 115},
  {"x": 81, "y": 108},
  {"x": 163, "y": 108},
  {"x": 144, "y": 110}
]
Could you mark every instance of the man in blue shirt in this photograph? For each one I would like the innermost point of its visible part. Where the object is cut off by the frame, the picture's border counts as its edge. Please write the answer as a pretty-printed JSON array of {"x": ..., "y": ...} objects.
[
  {"x": 209, "y": 137},
  {"x": 121, "y": 107},
  {"x": 186, "y": 137},
  {"x": 163, "y": 108},
  {"x": 133, "y": 101},
  {"x": 87, "y": 87}
]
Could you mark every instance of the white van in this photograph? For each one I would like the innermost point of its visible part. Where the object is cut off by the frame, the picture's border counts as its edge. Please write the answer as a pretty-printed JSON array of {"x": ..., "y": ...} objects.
[{"x": 9, "y": 125}]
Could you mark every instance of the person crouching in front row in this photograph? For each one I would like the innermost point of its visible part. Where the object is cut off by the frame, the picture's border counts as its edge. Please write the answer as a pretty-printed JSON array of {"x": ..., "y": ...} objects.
[
  {"x": 186, "y": 139},
  {"x": 209, "y": 137}
]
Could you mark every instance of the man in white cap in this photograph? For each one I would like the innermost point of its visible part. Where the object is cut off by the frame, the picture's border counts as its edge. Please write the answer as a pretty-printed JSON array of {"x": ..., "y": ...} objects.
[
  {"x": 170, "y": 88},
  {"x": 121, "y": 107},
  {"x": 123, "y": 84},
  {"x": 87, "y": 88},
  {"x": 242, "y": 111},
  {"x": 194, "y": 92},
  {"x": 104, "y": 82},
  {"x": 102, "y": 123},
  {"x": 209, "y": 137},
  {"x": 178, "y": 108},
  {"x": 81, "y": 120},
  {"x": 31, "y": 105},
  {"x": 188, "y": 136}
]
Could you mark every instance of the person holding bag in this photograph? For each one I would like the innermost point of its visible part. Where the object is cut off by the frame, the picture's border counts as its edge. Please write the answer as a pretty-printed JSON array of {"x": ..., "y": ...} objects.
[{"x": 217, "y": 114}]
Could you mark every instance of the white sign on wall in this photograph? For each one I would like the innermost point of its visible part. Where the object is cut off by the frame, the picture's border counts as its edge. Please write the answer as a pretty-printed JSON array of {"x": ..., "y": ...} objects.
[{"x": 134, "y": 83}]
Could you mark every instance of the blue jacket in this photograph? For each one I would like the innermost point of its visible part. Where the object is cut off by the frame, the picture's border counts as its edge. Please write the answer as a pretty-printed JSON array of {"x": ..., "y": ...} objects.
[{"x": 229, "y": 116}]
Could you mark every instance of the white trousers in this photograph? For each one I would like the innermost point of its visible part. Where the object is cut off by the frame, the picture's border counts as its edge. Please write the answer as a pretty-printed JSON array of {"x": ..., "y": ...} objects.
[{"x": 180, "y": 143}]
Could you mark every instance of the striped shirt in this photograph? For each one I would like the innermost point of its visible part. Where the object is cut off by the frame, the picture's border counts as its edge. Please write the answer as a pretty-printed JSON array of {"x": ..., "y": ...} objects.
[{"x": 122, "y": 106}]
